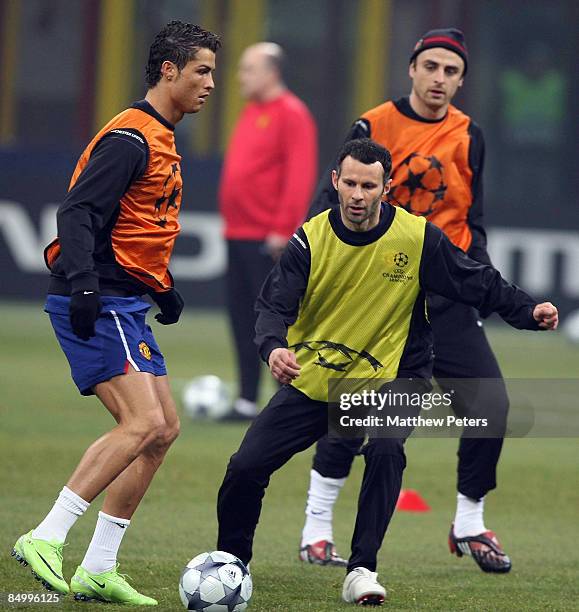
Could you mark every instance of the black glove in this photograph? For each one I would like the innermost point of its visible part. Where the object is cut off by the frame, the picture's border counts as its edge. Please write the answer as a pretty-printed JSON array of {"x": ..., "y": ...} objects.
[
  {"x": 84, "y": 310},
  {"x": 171, "y": 304}
]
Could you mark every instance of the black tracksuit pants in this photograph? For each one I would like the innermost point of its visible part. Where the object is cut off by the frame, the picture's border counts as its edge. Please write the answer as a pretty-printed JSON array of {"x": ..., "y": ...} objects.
[
  {"x": 248, "y": 265},
  {"x": 461, "y": 351},
  {"x": 289, "y": 424}
]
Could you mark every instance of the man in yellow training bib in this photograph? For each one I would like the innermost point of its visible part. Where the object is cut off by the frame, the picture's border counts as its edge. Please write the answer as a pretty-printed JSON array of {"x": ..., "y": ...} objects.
[{"x": 348, "y": 296}]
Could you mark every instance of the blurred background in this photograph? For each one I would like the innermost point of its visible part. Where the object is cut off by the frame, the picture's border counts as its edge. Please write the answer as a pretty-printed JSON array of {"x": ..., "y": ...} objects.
[{"x": 67, "y": 66}]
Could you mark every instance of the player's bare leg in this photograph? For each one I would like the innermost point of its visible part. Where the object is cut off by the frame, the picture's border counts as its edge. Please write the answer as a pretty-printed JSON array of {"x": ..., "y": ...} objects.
[
  {"x": 133, "y": 399},
  {"x": 126, "y": 491},
  {"x": 134, "y": 402},
  {"x": 97, "y": 577}
]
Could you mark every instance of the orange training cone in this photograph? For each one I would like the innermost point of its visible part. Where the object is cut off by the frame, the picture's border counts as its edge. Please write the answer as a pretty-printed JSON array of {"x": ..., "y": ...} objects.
[{"x": 411, "y": 501}]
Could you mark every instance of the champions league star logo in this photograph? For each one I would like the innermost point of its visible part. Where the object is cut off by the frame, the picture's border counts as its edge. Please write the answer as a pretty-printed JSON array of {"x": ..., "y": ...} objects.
[
  {"x": 423, "y": 188},
  {"x": 401, "y": 259},
  {"x": 329, "y": 351}
]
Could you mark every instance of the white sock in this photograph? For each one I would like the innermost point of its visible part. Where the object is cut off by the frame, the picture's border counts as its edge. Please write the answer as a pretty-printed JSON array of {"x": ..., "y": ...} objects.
[
  {"x": 245, "y": 407},
  {"x": 67, "y": 508},
  {"x": 468, "y": 520},
  {"x": 322, "y": 496},
  {"x": 101, "y": 555}
]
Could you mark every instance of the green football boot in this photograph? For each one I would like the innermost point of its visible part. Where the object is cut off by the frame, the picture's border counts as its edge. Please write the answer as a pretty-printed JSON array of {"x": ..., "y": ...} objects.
[
  {"x": 44, "y": 559},
  {"x": 109, "y": 586}
]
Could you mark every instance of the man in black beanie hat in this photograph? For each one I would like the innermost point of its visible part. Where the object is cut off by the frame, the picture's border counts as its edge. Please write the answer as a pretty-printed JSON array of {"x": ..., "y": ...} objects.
[
  {"x": 437, "y": 160},
  {"x": 449, "y": 38}
]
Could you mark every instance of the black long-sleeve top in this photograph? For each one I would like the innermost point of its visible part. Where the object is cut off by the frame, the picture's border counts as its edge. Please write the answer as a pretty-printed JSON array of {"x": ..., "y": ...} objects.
[{"x": 444, "y": 269}]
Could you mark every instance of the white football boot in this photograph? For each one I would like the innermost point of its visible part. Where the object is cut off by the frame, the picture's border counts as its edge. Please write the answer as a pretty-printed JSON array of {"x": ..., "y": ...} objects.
[{"x": 361, "y": 587}]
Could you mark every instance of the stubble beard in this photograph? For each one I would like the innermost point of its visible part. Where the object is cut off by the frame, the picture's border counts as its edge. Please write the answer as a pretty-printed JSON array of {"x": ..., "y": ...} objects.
[{"x": 371, "y": 211}]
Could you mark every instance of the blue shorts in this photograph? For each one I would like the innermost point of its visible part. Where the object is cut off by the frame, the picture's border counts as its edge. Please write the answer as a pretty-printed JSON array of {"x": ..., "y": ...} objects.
[{"x": 123, "y": 339}]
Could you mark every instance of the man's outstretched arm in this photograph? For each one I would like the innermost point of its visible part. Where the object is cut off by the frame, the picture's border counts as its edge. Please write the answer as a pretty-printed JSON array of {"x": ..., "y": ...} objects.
[{"x": 447, "y": 270}]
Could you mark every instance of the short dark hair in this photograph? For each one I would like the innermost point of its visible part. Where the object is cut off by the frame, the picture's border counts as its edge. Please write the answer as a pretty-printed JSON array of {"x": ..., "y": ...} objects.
[
  {"x": 367, "y": 151},
  {"x": 177, "y": 42}
]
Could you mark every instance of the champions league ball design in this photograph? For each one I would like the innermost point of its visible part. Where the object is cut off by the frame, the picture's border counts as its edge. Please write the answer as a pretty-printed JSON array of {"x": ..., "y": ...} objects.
[
  {"x": 215, "y": 582},
  {"x": 423, "y": 188}
]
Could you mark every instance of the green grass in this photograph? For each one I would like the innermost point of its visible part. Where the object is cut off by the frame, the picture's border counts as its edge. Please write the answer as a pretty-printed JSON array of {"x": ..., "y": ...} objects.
[{"x": 46, "y": 425}]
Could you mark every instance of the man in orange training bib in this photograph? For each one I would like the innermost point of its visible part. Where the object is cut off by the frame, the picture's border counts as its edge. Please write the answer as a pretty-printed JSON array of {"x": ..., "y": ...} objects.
[{"x": 116, "y": 231}]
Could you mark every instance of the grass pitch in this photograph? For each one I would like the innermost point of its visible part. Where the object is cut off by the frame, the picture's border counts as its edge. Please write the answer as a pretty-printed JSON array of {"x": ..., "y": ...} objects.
[{"x": 46, "y": 425}]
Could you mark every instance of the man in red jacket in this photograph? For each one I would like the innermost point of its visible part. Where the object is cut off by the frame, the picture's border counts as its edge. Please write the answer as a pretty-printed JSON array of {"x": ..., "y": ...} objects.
[{"x": 268, "y": 178}]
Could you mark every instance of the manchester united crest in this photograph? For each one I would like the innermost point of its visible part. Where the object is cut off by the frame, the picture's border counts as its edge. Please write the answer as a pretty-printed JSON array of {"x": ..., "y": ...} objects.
[{"x": 145, "y": 350}]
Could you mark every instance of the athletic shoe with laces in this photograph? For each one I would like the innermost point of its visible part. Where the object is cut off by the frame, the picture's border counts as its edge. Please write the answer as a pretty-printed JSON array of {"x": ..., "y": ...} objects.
[
  {"x": 44, "y": 559},
  {"x": 361, "y": 587},
  {"x": 110, "y": 587},
  {"x": 484, "y": 548},
  {"x": 322, "y": 553}
]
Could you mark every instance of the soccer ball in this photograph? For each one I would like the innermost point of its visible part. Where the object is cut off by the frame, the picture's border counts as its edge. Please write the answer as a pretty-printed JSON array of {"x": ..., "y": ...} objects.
[
  {"x": 206, "y": 397},
  {"x": 215, "y": 582},
  {"x": 571, "y": 327}
]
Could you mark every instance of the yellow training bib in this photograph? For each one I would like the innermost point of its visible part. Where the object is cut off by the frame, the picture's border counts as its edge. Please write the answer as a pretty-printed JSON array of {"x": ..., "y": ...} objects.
[{"x": 355, "y": 316}]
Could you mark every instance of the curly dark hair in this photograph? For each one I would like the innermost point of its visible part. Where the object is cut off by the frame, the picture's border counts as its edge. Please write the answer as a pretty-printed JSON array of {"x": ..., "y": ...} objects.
[
  {"x": 367, "y": 151},
  {"x": 177, "y": 42}
]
